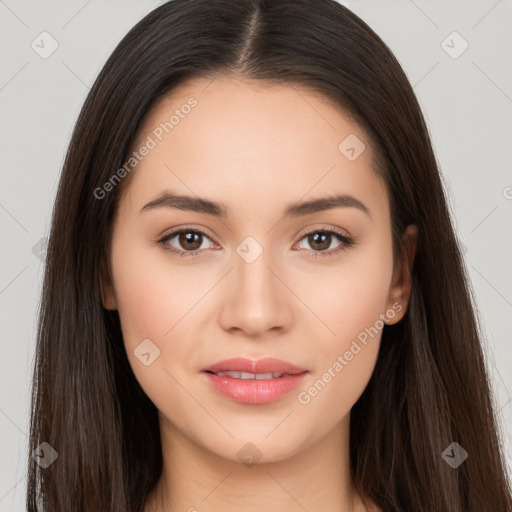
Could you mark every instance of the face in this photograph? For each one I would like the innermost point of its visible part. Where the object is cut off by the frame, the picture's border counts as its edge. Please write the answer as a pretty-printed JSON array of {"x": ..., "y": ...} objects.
[{"x": 309, "y": 286}]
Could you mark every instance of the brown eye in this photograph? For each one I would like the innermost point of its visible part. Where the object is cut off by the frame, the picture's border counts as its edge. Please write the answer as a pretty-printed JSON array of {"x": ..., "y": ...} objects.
[
  {"x": 188, "y": 242},
  {"x": 320, "y": 241}
]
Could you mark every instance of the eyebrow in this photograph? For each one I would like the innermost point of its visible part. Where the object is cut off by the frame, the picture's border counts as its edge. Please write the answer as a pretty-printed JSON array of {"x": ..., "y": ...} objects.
[{"x": 216, "y": 209}]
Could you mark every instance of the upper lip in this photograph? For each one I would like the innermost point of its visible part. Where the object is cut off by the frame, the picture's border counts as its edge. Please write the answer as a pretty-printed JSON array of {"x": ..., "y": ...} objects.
[{"x": 266, "y": 365}]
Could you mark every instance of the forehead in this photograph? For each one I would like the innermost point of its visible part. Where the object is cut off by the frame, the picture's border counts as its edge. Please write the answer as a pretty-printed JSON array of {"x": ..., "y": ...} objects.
[{"x": 249, "y": 144}]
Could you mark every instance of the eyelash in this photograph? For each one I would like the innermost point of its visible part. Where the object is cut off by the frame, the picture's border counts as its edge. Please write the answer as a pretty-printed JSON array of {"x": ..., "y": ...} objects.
[{"x": 346, "y": 242}]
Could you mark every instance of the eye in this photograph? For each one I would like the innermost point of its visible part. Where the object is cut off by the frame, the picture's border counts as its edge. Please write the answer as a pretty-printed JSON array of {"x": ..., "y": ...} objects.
[
  {"x": 321, "y": 239},
  {"x": 190, "y": 239}
]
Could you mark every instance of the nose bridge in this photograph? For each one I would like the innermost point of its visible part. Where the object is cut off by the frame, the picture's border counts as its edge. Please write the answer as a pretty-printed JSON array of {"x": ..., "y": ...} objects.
[
  {"x": 256, "y": 283},
  {"x": 257, "y": 301},
  {"x": 255, "y": 277}
]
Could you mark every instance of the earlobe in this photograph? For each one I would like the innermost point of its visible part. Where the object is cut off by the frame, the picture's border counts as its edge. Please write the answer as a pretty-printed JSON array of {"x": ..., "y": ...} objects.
[
  {"x": 107, "y": 295},
  {"x": 400, "y": 291}
]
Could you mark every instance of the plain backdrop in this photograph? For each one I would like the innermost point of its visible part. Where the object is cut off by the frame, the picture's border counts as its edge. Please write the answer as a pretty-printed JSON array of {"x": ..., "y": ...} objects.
[{"x": 457, "y": 55}]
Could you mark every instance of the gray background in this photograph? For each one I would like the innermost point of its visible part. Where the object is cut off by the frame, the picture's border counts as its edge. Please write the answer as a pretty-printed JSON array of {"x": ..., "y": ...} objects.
[{"x": 467, "y": 102}]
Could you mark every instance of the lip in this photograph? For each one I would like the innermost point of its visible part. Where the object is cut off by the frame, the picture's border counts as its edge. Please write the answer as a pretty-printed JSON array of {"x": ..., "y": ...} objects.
[
  {"x": 266, "y": 365},
  {"x": 252, "y": 391}
]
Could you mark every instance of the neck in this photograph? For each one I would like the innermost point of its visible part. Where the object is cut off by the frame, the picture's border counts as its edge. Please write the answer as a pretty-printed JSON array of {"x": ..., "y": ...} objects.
[{"x": 194, "y": 479}]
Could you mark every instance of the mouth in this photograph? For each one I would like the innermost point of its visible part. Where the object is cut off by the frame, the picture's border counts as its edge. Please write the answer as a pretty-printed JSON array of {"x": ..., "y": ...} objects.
[{"x": 253, "y": 388}]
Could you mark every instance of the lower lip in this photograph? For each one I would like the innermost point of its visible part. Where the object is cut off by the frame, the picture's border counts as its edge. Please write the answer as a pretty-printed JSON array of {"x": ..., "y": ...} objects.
[{"x": 252, "y": 391}]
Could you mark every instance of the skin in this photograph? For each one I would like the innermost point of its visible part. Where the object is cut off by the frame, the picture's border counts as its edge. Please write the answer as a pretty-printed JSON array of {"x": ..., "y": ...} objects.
[{"x": 256, "y": 149}]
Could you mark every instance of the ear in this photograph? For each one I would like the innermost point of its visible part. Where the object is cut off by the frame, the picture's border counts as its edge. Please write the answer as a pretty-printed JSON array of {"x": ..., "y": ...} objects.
[
  {"x": 108, "y": 297},
  {"x": 400, "y": 290}
]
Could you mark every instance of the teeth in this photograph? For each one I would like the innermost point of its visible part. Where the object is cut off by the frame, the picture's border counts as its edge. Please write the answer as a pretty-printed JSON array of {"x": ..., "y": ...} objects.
[{"x": 248, "y": 376}]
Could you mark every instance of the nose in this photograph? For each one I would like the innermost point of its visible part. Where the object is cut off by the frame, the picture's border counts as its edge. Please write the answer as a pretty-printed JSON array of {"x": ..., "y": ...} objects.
[{"x": 257, "y": 300}]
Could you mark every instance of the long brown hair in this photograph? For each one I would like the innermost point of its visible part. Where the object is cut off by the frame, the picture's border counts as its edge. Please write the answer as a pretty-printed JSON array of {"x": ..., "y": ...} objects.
[{"x": 430, "y": 386}]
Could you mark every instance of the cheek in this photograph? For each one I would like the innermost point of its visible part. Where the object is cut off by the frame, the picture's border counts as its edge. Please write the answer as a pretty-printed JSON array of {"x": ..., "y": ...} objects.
[
  {"x": 152, "y": 295},
  {"x": 143, "y": 300},
  {"x": 350, "y": 296},
  {"x": 152, "y": 301},
  {"x": 351, "y": 301}
]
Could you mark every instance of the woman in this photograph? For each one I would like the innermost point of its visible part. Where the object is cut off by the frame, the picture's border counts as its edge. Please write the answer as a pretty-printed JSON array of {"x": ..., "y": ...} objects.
[{"x": 254, "y": 297}]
